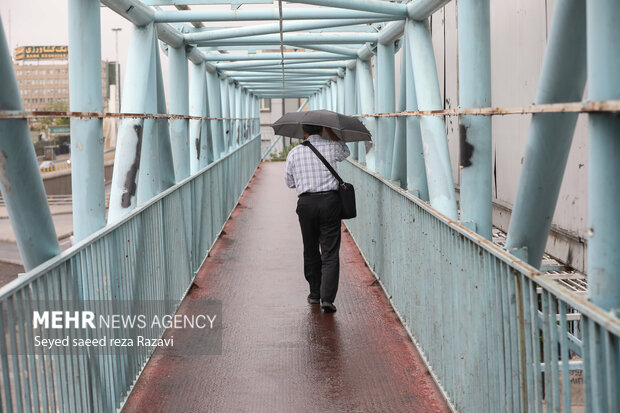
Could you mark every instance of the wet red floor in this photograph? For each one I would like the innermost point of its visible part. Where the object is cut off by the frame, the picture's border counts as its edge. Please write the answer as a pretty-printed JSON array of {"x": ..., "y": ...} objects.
[{"x": 281, "y": 354}]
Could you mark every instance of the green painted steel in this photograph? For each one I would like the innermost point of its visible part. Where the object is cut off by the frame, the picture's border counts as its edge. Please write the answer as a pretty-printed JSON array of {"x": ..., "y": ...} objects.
[
  {"x": 151, "y": 254},
  {"x": 20, "y": 180},
  {"x": 604, "y": 159},
  {"x": 87, "y": 177},
  {"x": 486, "y": 323}
]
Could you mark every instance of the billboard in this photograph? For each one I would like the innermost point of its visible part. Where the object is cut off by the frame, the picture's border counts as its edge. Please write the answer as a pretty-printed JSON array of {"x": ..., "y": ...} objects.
[{"x": 41, "y": 52}]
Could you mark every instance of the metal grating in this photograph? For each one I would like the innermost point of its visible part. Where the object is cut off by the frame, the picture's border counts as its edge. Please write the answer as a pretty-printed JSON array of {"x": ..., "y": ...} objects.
[{"x": 552, "y": 269}]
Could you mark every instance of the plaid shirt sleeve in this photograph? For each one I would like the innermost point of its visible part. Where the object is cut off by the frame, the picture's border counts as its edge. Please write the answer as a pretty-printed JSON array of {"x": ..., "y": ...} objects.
[
  {"x": 288, "y": 171},
  {"x": 342, "y": 151}
]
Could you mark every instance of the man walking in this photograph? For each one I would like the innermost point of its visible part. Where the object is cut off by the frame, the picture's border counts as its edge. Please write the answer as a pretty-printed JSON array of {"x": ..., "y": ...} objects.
[{"x": 318, "y": 208}]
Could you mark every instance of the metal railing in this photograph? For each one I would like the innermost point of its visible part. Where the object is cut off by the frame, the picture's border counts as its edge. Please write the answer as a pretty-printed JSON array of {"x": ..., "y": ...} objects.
[
  {"x": 496, "y": 335},
  {"x": 150, "y": 255}
]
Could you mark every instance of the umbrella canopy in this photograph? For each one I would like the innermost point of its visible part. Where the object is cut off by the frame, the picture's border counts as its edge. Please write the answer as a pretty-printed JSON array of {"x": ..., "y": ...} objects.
[{"x": 345, "y": 127}]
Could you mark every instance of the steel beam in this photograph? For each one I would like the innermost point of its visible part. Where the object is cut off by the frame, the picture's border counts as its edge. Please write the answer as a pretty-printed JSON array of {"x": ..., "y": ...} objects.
[
  {"x": 197, "y": 94},
  {"x": 215, "y": 111},
  {"x": 270, "y": 28},
  {"x": 398, "y": 172},
  {"x": 130, "y": 132},
  {"x": 149, "y": 173},
  {"x": 297, "y": 39},
  {"x": 256, "y": 14},
  {"x": 474, "y": 43},
  {"x": 166, "y": 160},
  {"x": 436, "y": 154},
  {"x": 417, "y": 183},
  {"x": 385, "y": 103},
  {"x": 225, "y": 93},
  {"x": 20, "y": 180},
  {"x": 366, "y": 101},
  {"x": 375, "y": 6},
  {"x": 422, "y": 9},
  {"x": 179, "y": 105},
  {"x": 562, "y": 79},
  {"x": 87, "y": 173},
  {"x": 350, "y": 106},
  {"x": 229, "y": 57},
  {"x": 603, "y": 66}
]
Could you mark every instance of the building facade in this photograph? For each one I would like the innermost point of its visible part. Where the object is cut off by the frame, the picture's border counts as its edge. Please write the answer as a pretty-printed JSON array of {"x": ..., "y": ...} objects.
[{"x": 43, "y": 78}]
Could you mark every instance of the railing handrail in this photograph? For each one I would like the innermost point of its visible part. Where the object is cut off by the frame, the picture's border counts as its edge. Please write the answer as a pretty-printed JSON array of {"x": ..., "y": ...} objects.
[
  {"x": 606, "y": 319},
  {"x": 43, "y": 268}
]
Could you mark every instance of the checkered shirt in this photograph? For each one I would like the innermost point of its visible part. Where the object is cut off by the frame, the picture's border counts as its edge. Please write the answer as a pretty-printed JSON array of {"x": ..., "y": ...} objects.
[{"x": 304, "y": 170}]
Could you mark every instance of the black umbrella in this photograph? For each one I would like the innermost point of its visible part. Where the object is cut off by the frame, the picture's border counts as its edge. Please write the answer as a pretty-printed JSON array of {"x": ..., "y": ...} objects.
[{"x": 347, "y": 128}]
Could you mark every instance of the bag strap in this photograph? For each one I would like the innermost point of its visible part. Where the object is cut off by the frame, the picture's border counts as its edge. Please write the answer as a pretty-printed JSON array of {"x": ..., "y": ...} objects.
[{"x": 327, "y": 165}]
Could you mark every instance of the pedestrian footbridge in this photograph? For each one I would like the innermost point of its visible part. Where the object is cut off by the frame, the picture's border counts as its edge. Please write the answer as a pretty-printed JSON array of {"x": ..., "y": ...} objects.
[{"x": 432, "y": 314}]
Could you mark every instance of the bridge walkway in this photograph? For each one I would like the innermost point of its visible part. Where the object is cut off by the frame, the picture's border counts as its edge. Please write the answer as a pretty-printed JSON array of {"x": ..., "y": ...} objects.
[{"x": 281, "y": 354}]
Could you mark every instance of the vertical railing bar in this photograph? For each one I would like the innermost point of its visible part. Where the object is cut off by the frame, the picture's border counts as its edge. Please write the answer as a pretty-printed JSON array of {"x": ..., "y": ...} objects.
[
  {"x": 501, "y": 343},
  {"x": 30, "y": 348},
  {"x": 38, "y": 351},
  {"x": 49, "y": 360},
  {"x": 506, "y": 327},
  {"x": 491, "y": 331},
  {"x": 4, "y": 362},
  {"x": 528, "y": 373},
  {"x": 587, "y": 362},
  {"x": 536, "y": 359},
  {"x": 70, "y": 299},
  {"x": 612, "y": 359},
  {"x": 553, "y": 362},
  {"x": 15, "y": 364},
  {"x": 58, "y": 359},
  {"x": 24, "y": 374},
  {"x": 94, "y": 360},
  {"x": 565, "y": 358},
  {"x": 514, "y": 338},
  {"x": 599, "y": 388},
  {"x": 547, "y": 350}
]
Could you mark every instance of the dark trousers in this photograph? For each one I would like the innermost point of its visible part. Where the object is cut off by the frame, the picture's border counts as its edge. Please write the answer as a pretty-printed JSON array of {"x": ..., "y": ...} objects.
[{"x": 319, "y": 219}]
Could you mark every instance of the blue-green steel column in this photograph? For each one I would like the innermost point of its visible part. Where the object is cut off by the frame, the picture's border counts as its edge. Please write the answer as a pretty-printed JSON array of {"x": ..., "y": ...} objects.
[
  {"x": 20, "y": 179},
  {"x": 334, "y": 95},
  {"x": 417, "y": 183},
  {"x": 475, "y": 131},
  {"x": 366, "y": 101},
  {"x": 248, "y": 114},
  {"x": 232, "y": 97},
  {"x": 603, "y": 23},
  {"x": 179, "y": 105},
  {"x": 238, "y": 114},
  {"x": 436, "y": 153},
  {"x": 340, "y": 96},
  {"x": 398, "y": 172},
  {"x": 215, "y": 111},
  {"x": 87, "y": 177},
  {"x": 166, "y": 161},
  {"x": 385, "y": 103},
  {"x": 350, "y": 103},
  {"x": 149, "y": 174},
  {"x": 197, "y": 107},
  {"x": 123, "y": 195},
  {"x": 206, "y": 142},
  {"x": 562, "y": 79},
  {"x": 225, "y": 113}
]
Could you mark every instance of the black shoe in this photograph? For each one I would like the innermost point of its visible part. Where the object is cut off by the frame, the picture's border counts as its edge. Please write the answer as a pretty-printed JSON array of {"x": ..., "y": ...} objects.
[
  {"x": 328, "y": 307},
  {"x": 313, "y": 299}
]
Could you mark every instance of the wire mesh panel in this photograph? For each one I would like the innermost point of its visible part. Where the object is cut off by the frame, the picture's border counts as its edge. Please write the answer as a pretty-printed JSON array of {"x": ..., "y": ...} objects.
[
  {"x": 497, "y": 336},
  {"x": 150, "y": 256}
]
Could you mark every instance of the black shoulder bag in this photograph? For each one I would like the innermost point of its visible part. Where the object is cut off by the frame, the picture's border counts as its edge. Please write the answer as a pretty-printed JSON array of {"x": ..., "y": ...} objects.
[{"x": 345, "y": 190}]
